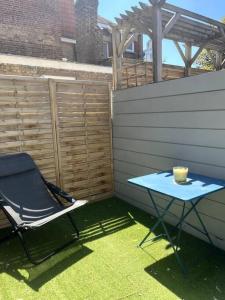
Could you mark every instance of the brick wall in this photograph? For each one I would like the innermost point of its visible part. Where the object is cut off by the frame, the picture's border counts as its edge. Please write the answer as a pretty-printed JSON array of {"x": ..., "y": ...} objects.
[
  {"x": 89, "y": 38},
  {"x": 67, "y": 17},
  {"x": 10, "y": 65},
  {"x": 34, "y": 27}
]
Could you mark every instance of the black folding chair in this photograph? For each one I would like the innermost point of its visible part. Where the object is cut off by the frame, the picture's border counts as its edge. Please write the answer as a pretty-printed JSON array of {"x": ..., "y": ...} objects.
[{"x": 29, "y": 201}]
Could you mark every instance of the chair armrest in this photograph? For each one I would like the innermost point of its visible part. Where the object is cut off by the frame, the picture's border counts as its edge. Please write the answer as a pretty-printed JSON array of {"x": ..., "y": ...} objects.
[{"x": 56, "y": 190}]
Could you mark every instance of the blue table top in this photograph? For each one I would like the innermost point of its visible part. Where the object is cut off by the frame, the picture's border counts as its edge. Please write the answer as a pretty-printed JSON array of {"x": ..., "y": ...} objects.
[{"x": 163, "y": 182}]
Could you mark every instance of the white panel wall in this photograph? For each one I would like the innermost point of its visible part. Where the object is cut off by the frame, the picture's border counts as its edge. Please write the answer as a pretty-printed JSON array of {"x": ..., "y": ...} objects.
[{"x": 178, "y": 122}]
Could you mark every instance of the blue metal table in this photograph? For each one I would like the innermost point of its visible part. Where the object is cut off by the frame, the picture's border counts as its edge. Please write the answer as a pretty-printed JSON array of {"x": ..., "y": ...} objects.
[{"x": 193, "y": 191}]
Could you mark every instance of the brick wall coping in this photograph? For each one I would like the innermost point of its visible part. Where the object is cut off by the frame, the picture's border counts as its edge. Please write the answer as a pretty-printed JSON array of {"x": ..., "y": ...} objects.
[{"x": 54, "y": 64}]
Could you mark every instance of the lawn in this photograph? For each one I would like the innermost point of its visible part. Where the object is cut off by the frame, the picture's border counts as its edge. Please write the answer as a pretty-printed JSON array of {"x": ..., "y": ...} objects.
[{"x": 107, "y": 264}]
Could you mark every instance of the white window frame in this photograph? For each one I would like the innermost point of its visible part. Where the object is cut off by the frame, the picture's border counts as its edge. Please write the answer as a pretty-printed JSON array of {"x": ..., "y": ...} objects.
[
  {"x": 107, "y": 49},
  {"x": 131, "y": 50}
]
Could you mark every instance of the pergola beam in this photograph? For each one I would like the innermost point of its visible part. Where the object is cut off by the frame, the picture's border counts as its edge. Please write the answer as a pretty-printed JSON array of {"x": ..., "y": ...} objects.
[
  {"x": 187, "y": 57},
  {"x": 182, "y": 30},
  {"x": 199, "y": 51},
  {"x": 193, "y": 15},
  {"x": 129, "y": 41},
  {"x": 190, "y": 23},
  {"x": 137, "y": 22},
  {"x": 180, "y": 52},
  {"x": 184, "y": 24},
  {"x": 223, "y": 62},
  {"x": 162, "y": 20},
  {"x": 160, "y": 3},
  {"x": 125, "y": 35},
  {"x": 176, "y": 28},
  {"x": 171, "y": 23}
]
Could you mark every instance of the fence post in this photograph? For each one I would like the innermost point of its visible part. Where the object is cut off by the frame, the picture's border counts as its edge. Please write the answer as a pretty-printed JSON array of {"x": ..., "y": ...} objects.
[{"x": 56, "y": 145}]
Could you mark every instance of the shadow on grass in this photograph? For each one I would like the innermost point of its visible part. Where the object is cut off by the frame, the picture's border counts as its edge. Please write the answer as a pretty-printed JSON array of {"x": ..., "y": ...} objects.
[
  {"x": 94, "y": 221},
  {"x": 14, "y": 262},
  {"x": 103, "y": 218},
  {"x": 37, "y": 276},
  {"x": 206, "y": 271},
  {"x": 205, "y": 264}
]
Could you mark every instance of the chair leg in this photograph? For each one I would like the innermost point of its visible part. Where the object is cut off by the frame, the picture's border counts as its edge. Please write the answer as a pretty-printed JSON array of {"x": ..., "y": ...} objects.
[
  {"x": 39, "y": 261},
  {"x": 73, "y": 224},
  {"x": 25, "y": 248}
]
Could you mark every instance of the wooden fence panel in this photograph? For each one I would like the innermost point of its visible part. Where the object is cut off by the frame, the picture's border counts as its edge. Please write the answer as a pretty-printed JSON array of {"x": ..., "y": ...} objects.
[
  {"x": 139, "y": 73},
  {"x": 25, "y": 122},
  {"x": 65, "y": 126},
  {"x": 84, "y": 137}
]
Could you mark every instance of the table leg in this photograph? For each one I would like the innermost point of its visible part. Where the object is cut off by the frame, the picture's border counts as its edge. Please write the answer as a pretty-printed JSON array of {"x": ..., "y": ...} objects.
[
  {"x": 181, "y": 264},
  {"x": 193, "y": 208},
  {"x": 180, "y": 227},
  {"x": 187, "y": 213},
  {"x": 203, "y": 225},
  {"x": 159, "y": 221}
]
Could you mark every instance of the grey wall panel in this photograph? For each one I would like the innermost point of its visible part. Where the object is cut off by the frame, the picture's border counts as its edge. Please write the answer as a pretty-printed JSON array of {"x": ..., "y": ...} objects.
[
  {"x": 172, "y": 123},
  {"x": 198, "y": 137},
  {"x": 190, "y": 102},
  {"x": 209, "y": 156},
  {"x": 198, "y": 84},
  {"x": 166, "y": 163},
  {"x": 193, "y": 119}
]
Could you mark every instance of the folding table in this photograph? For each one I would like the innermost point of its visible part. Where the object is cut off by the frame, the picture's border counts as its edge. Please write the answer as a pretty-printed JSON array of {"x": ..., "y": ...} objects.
[{"x": 193, "y": 191}]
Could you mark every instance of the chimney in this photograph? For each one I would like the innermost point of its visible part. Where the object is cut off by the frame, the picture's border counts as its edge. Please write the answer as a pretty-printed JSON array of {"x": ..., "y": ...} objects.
[
  {"x": 87, "y": 34},
  {"x": 67, "y": 18}
]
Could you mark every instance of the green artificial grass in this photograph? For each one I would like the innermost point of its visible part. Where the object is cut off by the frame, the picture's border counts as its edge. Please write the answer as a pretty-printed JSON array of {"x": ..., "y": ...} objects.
[{"x": 106, "y": 263}]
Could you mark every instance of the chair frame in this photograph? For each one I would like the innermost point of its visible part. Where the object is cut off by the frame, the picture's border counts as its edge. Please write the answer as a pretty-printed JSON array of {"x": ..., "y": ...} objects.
[{"x": 19, "y": 231}]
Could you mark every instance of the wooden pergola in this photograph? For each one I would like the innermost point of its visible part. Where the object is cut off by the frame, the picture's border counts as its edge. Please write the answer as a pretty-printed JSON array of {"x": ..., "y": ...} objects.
[{"x": 161, "y": 20}]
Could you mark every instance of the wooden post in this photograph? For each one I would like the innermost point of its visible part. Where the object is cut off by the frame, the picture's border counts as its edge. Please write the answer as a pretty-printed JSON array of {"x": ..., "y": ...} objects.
[
  {"x": 136, "y": 75},
  {"x": 157, "y": 36},
  {"x": 188, "y": 56},
  {"x": 219, "y": 60},
  {"x": 140, "y": 48},
  {"x": 56, "y": 144},
  {"x": 117, "y": 59},
  {"x": 146, "y": 71}
]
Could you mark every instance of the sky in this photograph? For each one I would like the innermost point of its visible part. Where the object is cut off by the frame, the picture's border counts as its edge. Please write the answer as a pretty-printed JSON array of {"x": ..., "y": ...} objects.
[{"x": 214, "y": 9}]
